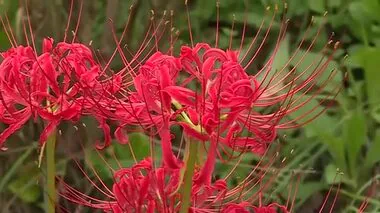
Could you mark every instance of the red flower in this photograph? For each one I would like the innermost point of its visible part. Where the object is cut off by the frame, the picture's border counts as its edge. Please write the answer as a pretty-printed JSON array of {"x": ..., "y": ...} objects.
[
  {"x": 243, "y": 208},
  {"x": 209, "y": 93},
  {"x": 143, "y": 188},
  {"x": 150, "y": 106},
  {"x": 60, "y": 84},
  {"x": 16, "y": 88}
]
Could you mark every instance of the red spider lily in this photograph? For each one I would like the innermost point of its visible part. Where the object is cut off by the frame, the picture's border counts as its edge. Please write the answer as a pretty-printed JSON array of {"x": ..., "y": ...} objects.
[
  {"x": 209, "y": 92},
  {"x": 149, "y": 105},
  {"x": 143, "y": 188},
  {"x": 60, "y": 84},
  {"x": 212, "y": 94},
  {"x": 15, "y": 70},
  {"x": 243, "y": 208},
  {"x": 221, "y": 109}
]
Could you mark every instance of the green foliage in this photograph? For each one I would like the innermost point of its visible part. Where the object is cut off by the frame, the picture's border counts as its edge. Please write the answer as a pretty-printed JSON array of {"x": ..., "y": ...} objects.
[
  {"x": 343, "y": 145},
  {"x": 119, "y": 155}
]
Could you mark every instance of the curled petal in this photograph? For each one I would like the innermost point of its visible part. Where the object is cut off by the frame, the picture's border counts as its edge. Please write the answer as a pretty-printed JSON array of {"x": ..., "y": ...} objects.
[
  {"x": 208, "y": 168},
  {"x": 183, "y": 95},
  {"x": 47, "y": 45},
  {"x": 107, "y": 134},
  {"x": 207, "y": 67},
  {"x": 121, "y": 136},
  {"x": 71, "y": 113},
  {"x": 190, "y": 131},
  {"x": 88, "y": 79},
  {"x": 193, "y": 115},
  {"x": 166, "y": 144},
  {"x": 49, "y": 129},
  {"x": 217, "y": 53},
  {"x": 12, "y": 128}
]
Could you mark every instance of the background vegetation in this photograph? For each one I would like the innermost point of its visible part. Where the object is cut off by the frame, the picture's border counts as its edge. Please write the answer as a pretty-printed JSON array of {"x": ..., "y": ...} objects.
[{"x": 345, "y": 139}]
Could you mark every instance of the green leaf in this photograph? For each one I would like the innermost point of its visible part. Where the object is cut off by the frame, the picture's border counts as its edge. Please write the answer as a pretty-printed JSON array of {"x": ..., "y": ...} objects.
[
  {"x": 355, "y": 134},
  {"x": 95, "y": 163},
  {"x": 308, "y": 189},
  {"x": 317, "y": 5},
  {"x": 372, "y": 7},
  {"x": 308, "y": 62},
  {"x": 297, "y": 8},
  {"x": 359, "y": 12},
  {"x": 321, "y": 125},
  {"x": 25, "y": 189},
  {"x": 25, "y": 185},
  {"x": 140, "y": 145},
  {"x": 334, "y": 3},
  {"x": 333, "y": 175},
  {"x": 205, "y": 9},
  {"x": 15, "y": 167},
  {"x": 336, "y": 149},
  {"x": 368, "y": 58},
  {"x": 280, "y": 60},
  {"x": 373, "y": 154}
]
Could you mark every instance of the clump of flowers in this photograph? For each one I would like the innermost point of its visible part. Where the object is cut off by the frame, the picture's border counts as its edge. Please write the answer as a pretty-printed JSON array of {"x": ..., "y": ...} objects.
[
  {"x": 208, "y": 92},
  {"x": 222, "y": 108},
  {"x": 143, "y": 188}
]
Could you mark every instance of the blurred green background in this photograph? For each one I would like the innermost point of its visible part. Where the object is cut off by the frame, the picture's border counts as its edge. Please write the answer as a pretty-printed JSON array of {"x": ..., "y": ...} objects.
[{"x": 342, "y": 145}]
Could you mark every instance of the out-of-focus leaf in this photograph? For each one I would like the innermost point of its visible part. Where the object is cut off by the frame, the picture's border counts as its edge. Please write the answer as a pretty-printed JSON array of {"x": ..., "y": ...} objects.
[
  {"x": 25, "y": 186},
  {"x": 96, "y": 162},
  {"x": 28, "y": 192},
  {"x": 373, "y": 8},
  {"x": 373, "y": 154},
  {"x": 8, "y": 7},
  {"x": 307, "y": 62},
  {"x": 336, "y": 149},
  {"x": 317, "y": 5},
  {"x": 334, "y": 3},
  {"x": 205, "y": 9},
  {"x": 324, "y": 128},
  {"x": 278, "y": 66},
  {"x": 16, "y": 165},
  {"x": 355, "y": 133},
  {"x": 307, "y": 189},
  {"x": 4, "y": 43},
  {"x": 297, "y": 7},
  {"x": 368, "y": 58},
  {"x": 140, "y": 145},
  {"x": 334, "y": 175},
  {"x": 321, "y": 125},
  {"x": 359, "y": 12}
]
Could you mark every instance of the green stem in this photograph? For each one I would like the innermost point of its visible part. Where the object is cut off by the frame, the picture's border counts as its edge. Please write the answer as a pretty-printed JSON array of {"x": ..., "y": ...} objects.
[
  {"x": 189, "y": 173},
  {"x": 50, "y": 170}
]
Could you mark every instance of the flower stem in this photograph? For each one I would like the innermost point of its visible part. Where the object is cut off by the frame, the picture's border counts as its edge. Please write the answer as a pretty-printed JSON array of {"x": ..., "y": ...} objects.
[
  {"x": 50, "y": 170},
  {"x": 188, "y": 177}
]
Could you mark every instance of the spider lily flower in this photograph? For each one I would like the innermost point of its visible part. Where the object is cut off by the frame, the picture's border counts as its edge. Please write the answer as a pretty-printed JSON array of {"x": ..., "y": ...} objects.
[
  {"x": 244, "y": 208},
  {"x": 143, "y": 188},
  {"x": 149, "y": 106},
  {"x": 62, "y": 83},
  {"x": 15, "y": 71},
  {"x": 209, "y": 92}
]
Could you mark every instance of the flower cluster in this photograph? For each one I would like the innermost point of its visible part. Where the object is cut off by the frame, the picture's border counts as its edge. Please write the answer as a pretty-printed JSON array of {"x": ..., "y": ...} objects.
[
  {"x": 208, "y": 92},
  {"x": 143, "y": 188}
]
